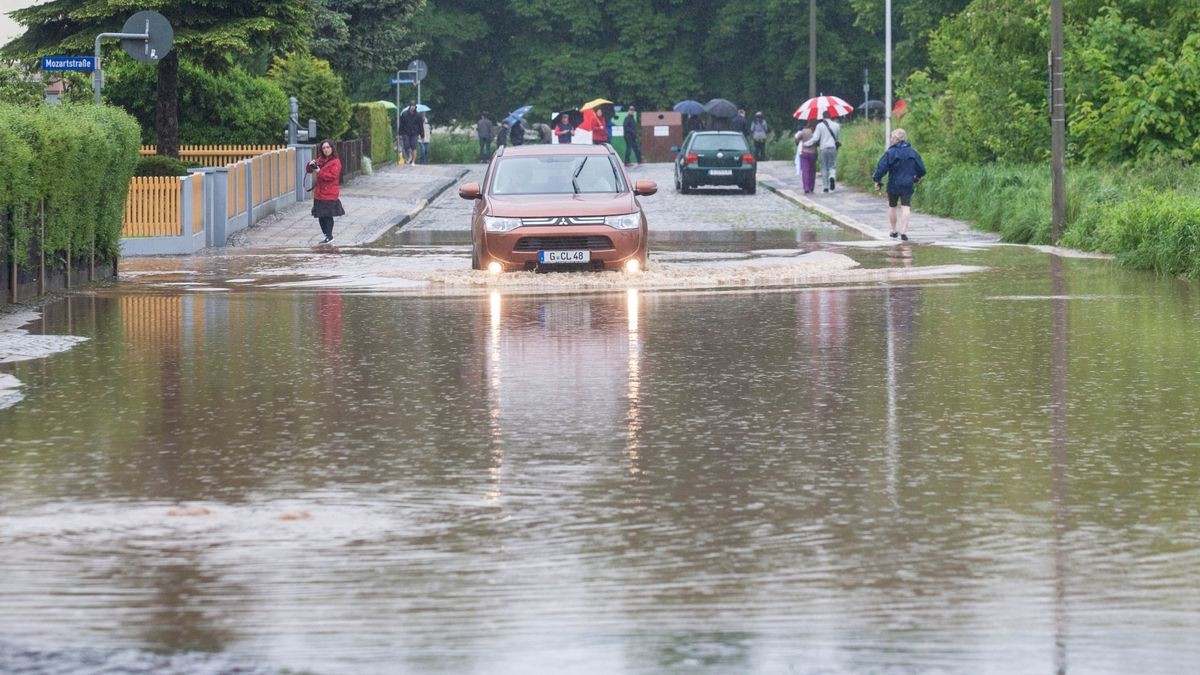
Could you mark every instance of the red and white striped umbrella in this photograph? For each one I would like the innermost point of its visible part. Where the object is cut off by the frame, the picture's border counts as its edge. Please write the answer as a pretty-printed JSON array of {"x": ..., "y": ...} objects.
[{"x": 814, "y": 108}]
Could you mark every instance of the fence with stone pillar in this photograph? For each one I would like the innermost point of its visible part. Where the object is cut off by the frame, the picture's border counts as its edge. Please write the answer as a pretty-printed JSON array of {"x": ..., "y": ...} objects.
[{"x": 183, "y": 214}]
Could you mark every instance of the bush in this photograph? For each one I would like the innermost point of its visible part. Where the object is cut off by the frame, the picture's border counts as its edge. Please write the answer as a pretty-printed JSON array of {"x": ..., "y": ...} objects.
[
  {"x": 77, "y": 160},
  {"x": 454, "y": 147},
  {"x": 227, "y": 108},
  {"x": 318, "y": 90},
  {"x": 158, "y": 165},
  {"x": 371, "y": 119}
]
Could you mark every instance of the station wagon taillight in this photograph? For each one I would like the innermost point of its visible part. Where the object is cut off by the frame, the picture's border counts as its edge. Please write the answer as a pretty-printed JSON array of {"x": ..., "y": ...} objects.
[
  {"x": 691, "y": 158},
  {"x": 747, "y": 158}
]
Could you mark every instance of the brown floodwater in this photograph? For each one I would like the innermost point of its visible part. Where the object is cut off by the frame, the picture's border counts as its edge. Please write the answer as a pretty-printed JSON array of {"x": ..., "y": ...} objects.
[{"x": 995, "y": 471}]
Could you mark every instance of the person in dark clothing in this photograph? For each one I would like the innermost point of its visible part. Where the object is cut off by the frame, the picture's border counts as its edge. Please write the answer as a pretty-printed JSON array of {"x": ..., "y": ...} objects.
[
  {"x": 502, "y": 134},
  {"x": 516, "y": 135},
  {"x": 740, "y": 124},
  {"x": 412, "y": 130},
  {"x": 326, "y": 198},
  {"x": 631, "y": 127},
  {"x": 693, "y": 123},
  {"x": 485, "y": 129},
  {"x": 904, "y": 169},
  {"x": 758, "y": 131},
  {"x": 563, "y": 129}
]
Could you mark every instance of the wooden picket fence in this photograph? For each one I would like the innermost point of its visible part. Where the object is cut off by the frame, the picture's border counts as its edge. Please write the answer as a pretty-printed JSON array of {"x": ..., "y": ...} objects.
[
  {"x": 216, "y": 155},
  {"x": 155, "y": 205},
  {"x": 152, "y": 208}
]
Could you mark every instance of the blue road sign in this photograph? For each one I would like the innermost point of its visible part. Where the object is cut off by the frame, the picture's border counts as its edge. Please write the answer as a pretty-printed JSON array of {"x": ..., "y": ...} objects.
[
  {"x": 402, "y": 80},
  {"x": 83, "y": 64}
]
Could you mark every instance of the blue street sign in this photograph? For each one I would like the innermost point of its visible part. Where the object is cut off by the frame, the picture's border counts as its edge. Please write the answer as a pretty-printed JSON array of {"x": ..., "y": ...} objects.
[
  {"x": 402, "y": 80},
  {"x": 83, "y": 64}
]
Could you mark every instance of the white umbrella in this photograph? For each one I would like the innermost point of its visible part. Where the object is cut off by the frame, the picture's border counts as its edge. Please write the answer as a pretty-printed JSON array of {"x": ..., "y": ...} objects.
[{"x": 814, "y": 108}]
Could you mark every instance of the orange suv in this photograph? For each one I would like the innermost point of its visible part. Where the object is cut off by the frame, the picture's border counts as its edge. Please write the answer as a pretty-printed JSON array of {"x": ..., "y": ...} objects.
[{"x": 557, "y": 207}]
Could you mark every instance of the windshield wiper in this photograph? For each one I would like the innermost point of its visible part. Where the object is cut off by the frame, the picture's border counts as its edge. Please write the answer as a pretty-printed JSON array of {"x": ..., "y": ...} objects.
[{"x": 577, "y": 172}]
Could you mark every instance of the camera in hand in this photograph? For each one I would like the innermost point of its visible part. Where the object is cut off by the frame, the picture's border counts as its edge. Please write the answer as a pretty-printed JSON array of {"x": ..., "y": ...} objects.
[{"x": 314, "y": 164}]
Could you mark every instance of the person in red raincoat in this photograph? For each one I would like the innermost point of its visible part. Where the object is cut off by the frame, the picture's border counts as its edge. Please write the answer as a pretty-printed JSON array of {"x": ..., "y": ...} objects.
[
  {"x": 593, "y": 120},
  {"x": 326, "y": 202}
]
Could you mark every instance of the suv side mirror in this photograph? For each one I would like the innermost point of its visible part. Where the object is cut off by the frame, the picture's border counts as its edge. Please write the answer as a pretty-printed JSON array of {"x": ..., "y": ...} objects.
[
  {"x": 645, "y": 187},
  {"x": 469, "y": 191}
]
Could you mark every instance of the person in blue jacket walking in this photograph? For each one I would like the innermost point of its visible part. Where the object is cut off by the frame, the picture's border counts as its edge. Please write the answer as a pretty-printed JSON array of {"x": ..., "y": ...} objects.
[{"x": 904, "y": 170}]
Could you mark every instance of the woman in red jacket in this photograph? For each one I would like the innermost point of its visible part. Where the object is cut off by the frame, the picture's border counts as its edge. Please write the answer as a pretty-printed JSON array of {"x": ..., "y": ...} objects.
[{"x": 326, "y": 204}]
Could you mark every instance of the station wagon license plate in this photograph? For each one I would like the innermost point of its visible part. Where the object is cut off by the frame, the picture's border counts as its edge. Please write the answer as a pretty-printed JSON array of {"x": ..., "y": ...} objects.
[
  {"x": 564, "y": 257},
  {"x": 720, "y": 172}
]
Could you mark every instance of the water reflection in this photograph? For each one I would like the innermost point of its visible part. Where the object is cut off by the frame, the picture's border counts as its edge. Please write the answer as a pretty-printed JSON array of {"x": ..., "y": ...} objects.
[{"x": 873, "y": 479}]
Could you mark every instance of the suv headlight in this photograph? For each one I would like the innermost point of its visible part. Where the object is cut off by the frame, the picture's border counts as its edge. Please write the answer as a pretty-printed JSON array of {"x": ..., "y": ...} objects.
[
  {"x": 493, "y": 224},
  {"x": 629, "y": 221}
]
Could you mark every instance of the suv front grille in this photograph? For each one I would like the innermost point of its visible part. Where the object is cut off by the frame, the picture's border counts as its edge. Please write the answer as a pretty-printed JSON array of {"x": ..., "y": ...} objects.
[{"x": 563, "y": 244}]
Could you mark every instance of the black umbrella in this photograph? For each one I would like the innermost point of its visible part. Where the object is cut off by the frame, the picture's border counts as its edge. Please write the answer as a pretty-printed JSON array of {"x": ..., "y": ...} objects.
[
  {"x": 573, "y": 116},
  {"x": 719, "y": 107},
  {"x": 871, "y": 105}
]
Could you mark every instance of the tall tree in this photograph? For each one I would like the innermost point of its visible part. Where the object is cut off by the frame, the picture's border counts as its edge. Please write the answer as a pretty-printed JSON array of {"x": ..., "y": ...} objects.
[
  {"x": 210, "y": 32},
  {"x": 365, "y": 41}
]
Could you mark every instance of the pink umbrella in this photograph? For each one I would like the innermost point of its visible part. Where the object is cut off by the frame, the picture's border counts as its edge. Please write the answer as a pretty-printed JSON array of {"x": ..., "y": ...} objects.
[{"x": 814, "y": 108}]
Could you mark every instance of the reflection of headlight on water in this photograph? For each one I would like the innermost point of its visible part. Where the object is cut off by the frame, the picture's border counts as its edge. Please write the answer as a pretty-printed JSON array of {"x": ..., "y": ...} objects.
[{"x": 631, "y": 308}]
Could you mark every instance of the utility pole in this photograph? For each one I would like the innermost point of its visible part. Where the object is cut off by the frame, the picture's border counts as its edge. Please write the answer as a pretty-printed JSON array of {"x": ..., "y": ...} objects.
[
  {"x": 1058, "y": 123},
  {"x": 812, "y": 48}
]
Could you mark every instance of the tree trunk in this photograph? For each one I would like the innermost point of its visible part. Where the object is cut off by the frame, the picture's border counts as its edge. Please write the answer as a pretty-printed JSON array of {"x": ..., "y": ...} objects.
[{"x": 166, "y": 111}]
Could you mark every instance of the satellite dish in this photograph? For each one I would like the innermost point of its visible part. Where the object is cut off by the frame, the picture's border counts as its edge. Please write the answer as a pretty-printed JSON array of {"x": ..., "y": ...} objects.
[{"x": 157, "y": 44}]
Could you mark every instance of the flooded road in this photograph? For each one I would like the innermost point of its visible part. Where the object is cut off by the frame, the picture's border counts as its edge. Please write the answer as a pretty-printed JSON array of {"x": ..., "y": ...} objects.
[{"x": 991, "y": 468}]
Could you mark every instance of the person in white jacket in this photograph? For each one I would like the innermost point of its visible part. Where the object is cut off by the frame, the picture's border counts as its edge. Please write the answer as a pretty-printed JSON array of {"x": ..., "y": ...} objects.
[{"x": 826, "y": 138}]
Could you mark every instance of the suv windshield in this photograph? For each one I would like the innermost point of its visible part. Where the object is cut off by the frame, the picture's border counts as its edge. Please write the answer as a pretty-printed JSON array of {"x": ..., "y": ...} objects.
[
  {"x": 719, "y": 142},
  {"x": 554, "y": 174}
]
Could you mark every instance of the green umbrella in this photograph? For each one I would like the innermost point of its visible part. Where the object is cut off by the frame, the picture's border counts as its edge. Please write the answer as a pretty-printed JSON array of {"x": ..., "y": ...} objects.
[{"x": 388, "y": 104}]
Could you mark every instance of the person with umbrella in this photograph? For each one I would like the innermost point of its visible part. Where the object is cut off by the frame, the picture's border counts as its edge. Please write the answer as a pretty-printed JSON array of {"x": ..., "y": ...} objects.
[
  {"x": 563, "y": 129},
  {"x": 516, "y": 133},
  {"x": 825, "y": 138},
  {"x": 904, "y": 169}
]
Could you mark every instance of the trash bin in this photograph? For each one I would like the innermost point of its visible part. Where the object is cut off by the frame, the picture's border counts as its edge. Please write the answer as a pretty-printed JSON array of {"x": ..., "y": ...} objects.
[{"x": 661, "y": 130}]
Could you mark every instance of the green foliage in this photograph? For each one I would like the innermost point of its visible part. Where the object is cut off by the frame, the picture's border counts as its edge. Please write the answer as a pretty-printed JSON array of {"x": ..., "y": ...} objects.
[
  {"x": 232, "y": 107},
  {"x": 158, "y": 165},
  {"x": 17, "y": 86},
  {"x": 78, "y": 159},
  {"x": 365, "y": 40},
  {"x": 372, "y": 119},
  {"x": 1139, "y": 81},
  {"x": 209, "y": 32},
  {"x": 653, "y": 53},
  {"x": 318, "y": 90},
  {"x": 1152, "y": 230},
  {"x": 1148, "y": 217},
  {"x": 454, "y": 147}
]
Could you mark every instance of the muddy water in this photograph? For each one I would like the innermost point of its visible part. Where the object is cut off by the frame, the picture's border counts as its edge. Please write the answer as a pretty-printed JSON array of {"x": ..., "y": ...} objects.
[{"x": 992, "y": 471}]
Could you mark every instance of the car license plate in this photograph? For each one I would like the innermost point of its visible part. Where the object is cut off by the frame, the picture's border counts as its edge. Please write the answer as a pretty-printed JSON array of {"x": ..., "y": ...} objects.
[
  {"x": 720, "y": 172},
  {"x": 564, "y": 257}
]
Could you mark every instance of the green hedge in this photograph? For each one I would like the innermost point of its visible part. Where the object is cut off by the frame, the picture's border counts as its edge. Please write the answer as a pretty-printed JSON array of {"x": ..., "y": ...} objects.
[
  {"x": 78, "y": 159},
  {"x": 1149, "y": 217},
  {"x": 372, "y": 119}
]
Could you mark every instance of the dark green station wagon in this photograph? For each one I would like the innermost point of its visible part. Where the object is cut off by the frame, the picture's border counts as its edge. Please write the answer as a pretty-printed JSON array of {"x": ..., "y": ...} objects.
[{"x": 715, "y": 158}]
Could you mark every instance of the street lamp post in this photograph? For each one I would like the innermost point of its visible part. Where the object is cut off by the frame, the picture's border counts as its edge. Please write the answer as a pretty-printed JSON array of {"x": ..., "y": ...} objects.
[{"x": 887, "y": 77}]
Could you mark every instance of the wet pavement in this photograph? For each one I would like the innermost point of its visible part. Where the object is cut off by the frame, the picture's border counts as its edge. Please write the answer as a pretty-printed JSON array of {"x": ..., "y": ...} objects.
[{"x": 787, "y": 448}]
